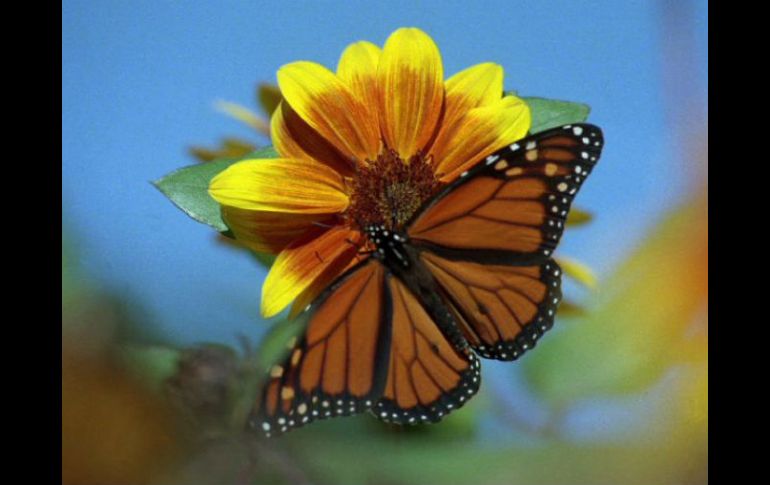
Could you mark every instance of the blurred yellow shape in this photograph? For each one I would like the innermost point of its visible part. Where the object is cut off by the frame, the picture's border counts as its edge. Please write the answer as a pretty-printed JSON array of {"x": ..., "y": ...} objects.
[
  {"x": 243, "y": 114},
  {"x": 578, "y": 217},
  {"x": 641, "y": 322},
  {"x": 578, "y": 271},
  {"x": 228, "y": 148}
]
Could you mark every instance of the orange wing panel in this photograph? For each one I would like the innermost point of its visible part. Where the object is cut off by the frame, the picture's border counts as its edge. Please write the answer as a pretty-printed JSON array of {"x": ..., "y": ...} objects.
[
  {"x": 428, "y": 377},
  {"x": 502, "y": 310},
  {"x": 339, "y": 366}
]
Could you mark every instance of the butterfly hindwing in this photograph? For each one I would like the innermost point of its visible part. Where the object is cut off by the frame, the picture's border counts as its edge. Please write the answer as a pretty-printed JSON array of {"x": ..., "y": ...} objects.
[
  {"x": 502, "y": 309},
  {"x": 512, "y": 206},
  {"x": 338, "y": 366},
  {"x": 428, "y": 377}
]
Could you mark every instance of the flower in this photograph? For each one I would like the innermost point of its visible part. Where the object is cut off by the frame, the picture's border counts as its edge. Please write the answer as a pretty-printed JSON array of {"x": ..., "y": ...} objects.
[{"x": 367, "y": 144}]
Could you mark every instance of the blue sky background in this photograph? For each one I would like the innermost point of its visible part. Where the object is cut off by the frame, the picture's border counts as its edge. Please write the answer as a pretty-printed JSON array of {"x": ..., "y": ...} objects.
[{"x": 139, "y": 79}]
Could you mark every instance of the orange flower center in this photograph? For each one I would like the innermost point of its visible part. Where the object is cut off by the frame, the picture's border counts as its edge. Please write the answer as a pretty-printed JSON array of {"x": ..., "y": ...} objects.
[{"x": 388, "y": 191}]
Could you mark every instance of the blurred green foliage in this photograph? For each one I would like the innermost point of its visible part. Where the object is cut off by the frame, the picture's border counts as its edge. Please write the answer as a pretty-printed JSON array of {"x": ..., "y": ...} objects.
[
  {"x": 639, "y": 323},
  {"x": 637, "y": 326},
  {"x": 115, "y": 429}
]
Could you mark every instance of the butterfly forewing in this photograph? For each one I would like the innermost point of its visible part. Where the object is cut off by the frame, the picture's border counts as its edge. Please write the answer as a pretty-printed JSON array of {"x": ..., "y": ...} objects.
[
  {"x": 487, "y": 238},
  {"x": 339, "y": 365},
  {"x": 512, "y": 206}
]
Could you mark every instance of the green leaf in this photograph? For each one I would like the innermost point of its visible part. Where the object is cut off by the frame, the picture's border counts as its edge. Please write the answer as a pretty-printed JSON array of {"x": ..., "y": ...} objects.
[
  {"x": 188, "y": 188},
  {"x": 550, "y": 113}
]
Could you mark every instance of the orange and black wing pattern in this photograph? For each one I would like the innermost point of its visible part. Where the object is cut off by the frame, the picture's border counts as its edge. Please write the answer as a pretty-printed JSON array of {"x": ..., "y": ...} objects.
[
  {"x": 339, "y": 365},
  {"x": 511, "y": 207},
  {"x": 487, "y": 238},
  {"x": 428, "y": 376},
  {"x": 396, "y": 334},
  {"x": 501, "y": 310}
]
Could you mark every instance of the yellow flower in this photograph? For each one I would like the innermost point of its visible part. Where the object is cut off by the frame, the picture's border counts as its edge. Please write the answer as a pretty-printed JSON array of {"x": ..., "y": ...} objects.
[{"x": 367, "y": 144}]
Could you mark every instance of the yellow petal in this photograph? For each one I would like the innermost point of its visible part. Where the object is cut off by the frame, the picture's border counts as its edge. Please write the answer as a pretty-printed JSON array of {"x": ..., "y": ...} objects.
[
  {"x": 300, "y": 264},
  {"x": 268, "y": 232},
  {"x": 482, "y": 131},
  {"x": 358, "y": 70},
  {"x": 321, "y": 99},
  {"x": 293, "y": 138},
  {"x": 411, "y": 90},
  {"x": 280, "y": 185},
  {"x": 479, "y": 85},
  {"x": 331, "y": 273}
]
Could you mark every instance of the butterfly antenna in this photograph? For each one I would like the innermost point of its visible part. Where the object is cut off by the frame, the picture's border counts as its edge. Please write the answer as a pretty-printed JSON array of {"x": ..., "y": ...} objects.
[
  {"x": 321, "y": 224},
  {"x": 360, "y": 251},
  {"x": 352, "y": 243}
]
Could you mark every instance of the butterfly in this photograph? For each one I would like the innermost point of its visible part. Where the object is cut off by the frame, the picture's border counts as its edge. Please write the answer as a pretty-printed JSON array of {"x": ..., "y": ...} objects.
[{"x": 470, "y": 275}]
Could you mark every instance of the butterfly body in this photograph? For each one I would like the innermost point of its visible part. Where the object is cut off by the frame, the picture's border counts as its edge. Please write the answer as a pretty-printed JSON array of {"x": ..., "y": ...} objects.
[
  {"x": 471, "y": 273},
  {"x": 390, "y": 247},
  {"x": 402, "y": 259}
]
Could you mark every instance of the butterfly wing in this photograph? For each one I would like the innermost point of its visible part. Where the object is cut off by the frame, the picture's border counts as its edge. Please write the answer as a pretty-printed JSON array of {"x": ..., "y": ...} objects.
[
  {"x": 487, "y": 238},
  {"x": 369, "y": 343},
  {"x": 428, "y": 376},
  {"x": 502, "y": 309},
  {"x": 339, "y": 365},
  {"x": 511, "y": 207}
]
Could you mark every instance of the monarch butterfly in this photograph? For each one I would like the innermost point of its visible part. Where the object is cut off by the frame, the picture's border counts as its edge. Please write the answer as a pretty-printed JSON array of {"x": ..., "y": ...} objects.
[{"x": 469, "y": 275}]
